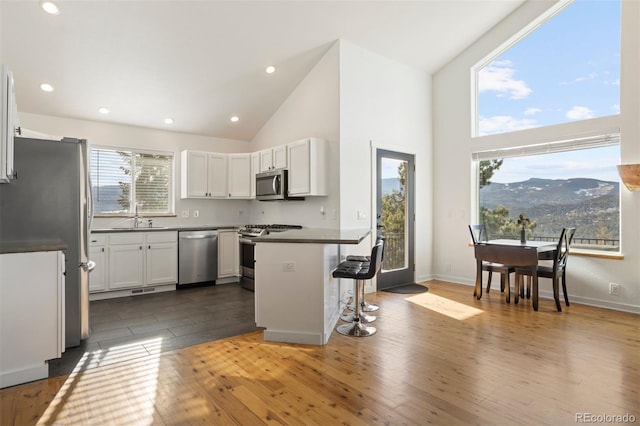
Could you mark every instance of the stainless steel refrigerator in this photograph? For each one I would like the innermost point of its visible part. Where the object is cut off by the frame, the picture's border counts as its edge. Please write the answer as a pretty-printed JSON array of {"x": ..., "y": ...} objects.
[{"x": 51, "y": 200}]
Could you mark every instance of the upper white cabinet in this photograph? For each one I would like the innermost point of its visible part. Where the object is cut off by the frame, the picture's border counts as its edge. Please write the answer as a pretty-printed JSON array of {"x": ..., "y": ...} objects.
[
  {"x": 307, "y": 167},
  {"x": 9, "y": 125},
  {"x": 240, "y": 176},
  {"x": 203, "y": 175},
  {"x": 255, "y": 169},
  {"x": 273, "y": 158}
]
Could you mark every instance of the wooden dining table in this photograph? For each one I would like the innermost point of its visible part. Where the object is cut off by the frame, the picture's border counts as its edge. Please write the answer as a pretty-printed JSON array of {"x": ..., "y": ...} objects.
[{"x": 513, "y": 253}]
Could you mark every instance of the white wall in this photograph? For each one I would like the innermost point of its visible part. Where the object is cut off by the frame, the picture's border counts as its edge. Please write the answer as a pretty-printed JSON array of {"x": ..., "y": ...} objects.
[
  {"x": 217, "y": 212},
  {"x": 588, "y": 277},
  {"x": 311, "y": 110},
  {"x": 384, "y": 104}
]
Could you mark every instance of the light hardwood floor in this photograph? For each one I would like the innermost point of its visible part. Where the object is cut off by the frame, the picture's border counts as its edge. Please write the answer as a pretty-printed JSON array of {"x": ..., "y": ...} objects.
[{"x": 439, "y": 357}]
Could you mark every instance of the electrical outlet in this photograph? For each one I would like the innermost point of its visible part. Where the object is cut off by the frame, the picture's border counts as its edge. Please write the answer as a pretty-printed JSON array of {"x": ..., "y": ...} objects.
[
  {"x": 288, "y": 266},
  {"x": 614, "y": 289},
  {"x": 185, "y": 213},
  {"x": 196, "y": 213}
]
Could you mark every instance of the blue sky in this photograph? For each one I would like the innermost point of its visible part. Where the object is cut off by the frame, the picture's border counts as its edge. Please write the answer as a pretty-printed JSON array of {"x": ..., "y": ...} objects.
[{"x": 567, "y": 69}]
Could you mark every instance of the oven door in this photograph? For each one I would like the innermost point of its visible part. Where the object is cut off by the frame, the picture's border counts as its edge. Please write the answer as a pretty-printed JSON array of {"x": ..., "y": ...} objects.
[{"x": 247, "y": 260}]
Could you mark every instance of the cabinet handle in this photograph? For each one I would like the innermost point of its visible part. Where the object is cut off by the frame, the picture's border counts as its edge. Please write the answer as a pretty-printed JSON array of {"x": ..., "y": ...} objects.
[
  {"x": 140, "y": 247},
  {"x": 103, "y": 249},
  {"x": 149, "y": 247}
]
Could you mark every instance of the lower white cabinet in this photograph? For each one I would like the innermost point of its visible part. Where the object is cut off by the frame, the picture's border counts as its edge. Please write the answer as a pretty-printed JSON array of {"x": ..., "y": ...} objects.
[
  {"x": 228, "y": 253},
  {"x": 133, "y": 260},
  {"x": 31, "y": 314}
]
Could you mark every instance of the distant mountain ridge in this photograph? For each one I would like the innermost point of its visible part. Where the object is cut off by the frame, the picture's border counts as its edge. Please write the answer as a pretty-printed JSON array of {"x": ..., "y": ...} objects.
[{"x": 554, "y": 203}]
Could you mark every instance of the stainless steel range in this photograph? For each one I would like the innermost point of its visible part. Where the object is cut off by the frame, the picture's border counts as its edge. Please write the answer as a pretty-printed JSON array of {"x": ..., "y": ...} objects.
[{"x": 247, "y": 249}]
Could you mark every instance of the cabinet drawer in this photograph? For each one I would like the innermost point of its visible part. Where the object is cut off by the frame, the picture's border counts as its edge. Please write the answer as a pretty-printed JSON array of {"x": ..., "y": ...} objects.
[
  {"x": 162, "y": 237},
  {"x": 127, "y": 238},
  {"x": 97, "y": 239}
]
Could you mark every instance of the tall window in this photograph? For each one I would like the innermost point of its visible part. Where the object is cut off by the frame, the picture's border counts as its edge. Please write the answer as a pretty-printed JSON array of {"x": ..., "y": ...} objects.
[
  {"x": 126, "y": 181},
  {"x": 566, "y": 69},
  {"x": 537, "y": 99}
]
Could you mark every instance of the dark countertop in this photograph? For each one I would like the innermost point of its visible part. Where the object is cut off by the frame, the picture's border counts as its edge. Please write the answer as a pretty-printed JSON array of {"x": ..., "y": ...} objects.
[
  {"x": 162, "y": 228},
  {"x": 31, "y": 246},
  {"x": 315, "y": 236}
]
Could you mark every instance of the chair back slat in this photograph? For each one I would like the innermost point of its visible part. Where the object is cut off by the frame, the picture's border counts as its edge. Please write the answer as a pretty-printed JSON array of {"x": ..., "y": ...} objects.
[
  {"x": 478, "y": 233},
  {"x": 562, "y": 250}
]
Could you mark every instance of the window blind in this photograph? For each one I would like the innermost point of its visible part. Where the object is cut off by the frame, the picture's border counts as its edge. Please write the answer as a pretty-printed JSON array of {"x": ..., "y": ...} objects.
[
  {"x": 549, "y": 147},
  {"x": 121, "y": 176}
]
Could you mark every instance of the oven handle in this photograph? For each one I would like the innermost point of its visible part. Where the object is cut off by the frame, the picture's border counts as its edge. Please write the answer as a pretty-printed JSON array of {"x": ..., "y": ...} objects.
[{"x": 247, "y": 241}]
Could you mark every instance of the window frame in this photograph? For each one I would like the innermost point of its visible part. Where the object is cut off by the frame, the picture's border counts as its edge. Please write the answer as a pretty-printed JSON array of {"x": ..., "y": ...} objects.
[
  {"x": 133, "y": 152},
  {"x": 535, "y": 136}
]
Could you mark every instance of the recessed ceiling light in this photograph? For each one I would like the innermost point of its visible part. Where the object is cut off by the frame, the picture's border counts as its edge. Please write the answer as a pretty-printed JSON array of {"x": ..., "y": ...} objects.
[
  {"x": 270, "y": 69},
  {"x": 168, "y": 120},
  {"x": 103, "y": 110},
  {"x": 235, "y": 118},
  {"x": 46, "y": 87},
  {"x": 50, "y": 7}
]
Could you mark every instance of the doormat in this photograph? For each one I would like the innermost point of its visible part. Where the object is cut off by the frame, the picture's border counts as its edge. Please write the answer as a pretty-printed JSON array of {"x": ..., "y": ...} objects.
[{"x": 407, "y": 289}]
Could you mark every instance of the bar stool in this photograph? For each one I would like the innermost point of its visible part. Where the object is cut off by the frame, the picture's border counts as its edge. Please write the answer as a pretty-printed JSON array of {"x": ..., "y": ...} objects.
[
  {"x": 364, "y": 305},
  {"x": 359, "y": 271}
]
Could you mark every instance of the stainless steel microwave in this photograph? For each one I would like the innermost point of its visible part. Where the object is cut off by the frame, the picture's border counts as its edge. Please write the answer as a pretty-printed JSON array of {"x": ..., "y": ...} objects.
[{"x": 273, "y": 185}]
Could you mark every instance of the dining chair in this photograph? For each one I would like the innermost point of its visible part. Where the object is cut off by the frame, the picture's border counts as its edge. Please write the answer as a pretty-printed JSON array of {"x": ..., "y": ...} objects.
[
  {"x": 556, "y": 272},
  {"x": 478, "y": 235}
]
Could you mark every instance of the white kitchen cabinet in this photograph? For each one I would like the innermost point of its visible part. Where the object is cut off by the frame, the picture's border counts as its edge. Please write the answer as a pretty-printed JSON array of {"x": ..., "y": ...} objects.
[
  {"x": 135, "y": 260},
  {"x": 203, "y": 175},
  {"x": 126, "y": 260},
  {"x": 8, "y": 125},
  {"x": 273, "y": 158},
  {"x": 228, "y": 253},
  {"x": 31, "y": 314},
  {"x": 98, "y": 254},
  {"x": 240, "y": 175},
  {"x": 307, "y": 167},
  {"x": 161, "y": 258},
  {"x": 255, "y": 169}
]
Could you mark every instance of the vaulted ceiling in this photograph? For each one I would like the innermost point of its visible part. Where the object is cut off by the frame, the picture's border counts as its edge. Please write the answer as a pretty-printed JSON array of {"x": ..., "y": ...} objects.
[{"x": 201, "y": 62}]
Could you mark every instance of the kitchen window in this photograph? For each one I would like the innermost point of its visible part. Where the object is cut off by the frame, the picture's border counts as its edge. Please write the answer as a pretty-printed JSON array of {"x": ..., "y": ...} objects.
[{"x": 126, "y": 181}]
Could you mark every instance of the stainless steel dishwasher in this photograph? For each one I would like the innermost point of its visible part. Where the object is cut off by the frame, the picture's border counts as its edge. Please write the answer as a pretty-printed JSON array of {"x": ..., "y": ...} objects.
[{"x": 197, "y": 256}]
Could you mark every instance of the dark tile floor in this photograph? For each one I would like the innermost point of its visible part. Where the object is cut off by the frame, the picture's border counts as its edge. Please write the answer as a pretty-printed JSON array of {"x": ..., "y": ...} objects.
[{"x": 135, "y": 326}]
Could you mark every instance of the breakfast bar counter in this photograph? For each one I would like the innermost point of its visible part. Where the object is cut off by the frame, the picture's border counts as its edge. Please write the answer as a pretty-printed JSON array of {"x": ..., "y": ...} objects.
[{"x": 297, "y": 300}]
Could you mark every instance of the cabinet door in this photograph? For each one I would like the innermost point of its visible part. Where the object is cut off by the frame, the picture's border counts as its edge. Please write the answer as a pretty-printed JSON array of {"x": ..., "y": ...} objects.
[
  {"x": 217, "y": 168},
  {"x": 162, "y": 263},
  {"x": 98, "y": 277},
  {"x": 255, "y": 168},
  {"x": 266, "y": 160},
  {"x": 280, "y": 157},
  {"x": 240, "y": 176},
  {"x": 126, "y": 266},
  {"x": 299, "y": 169},
  {"x": 228, "y": 254},
  {"x": 194, "y": 174}
]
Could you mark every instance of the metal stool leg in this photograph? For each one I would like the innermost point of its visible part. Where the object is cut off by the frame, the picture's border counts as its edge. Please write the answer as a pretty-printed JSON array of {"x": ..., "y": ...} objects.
[
  {"x": 364, "y": 306},
  {"x": 356, "y": 328}
]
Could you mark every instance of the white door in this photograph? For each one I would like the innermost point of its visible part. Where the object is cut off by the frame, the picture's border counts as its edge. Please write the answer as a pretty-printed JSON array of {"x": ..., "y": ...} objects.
[
  {"x": 196, "y": 174},
  {"x": 240, "y": 176},
  {"x": 98, "y": 276},
  {"x": 299, "y": 168},
  {"x": 280, "y": 157},
  {"x": 162, "y": 263},
  {"x": 228, "y": 254},
  {"x": 126, "y": 266},
  {"x": 266, "y": 160},
  {"x": 217, "y": 168}
]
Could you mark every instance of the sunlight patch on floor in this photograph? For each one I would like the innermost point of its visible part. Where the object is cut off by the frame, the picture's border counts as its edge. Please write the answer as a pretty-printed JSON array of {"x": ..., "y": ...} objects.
[
  {"x": 122, "y": 393},
  {"x": 444, "y": 306}
]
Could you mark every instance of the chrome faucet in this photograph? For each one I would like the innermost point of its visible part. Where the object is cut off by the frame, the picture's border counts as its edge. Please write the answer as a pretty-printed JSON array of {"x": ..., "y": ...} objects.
[{"x": 137, "y": 219}]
